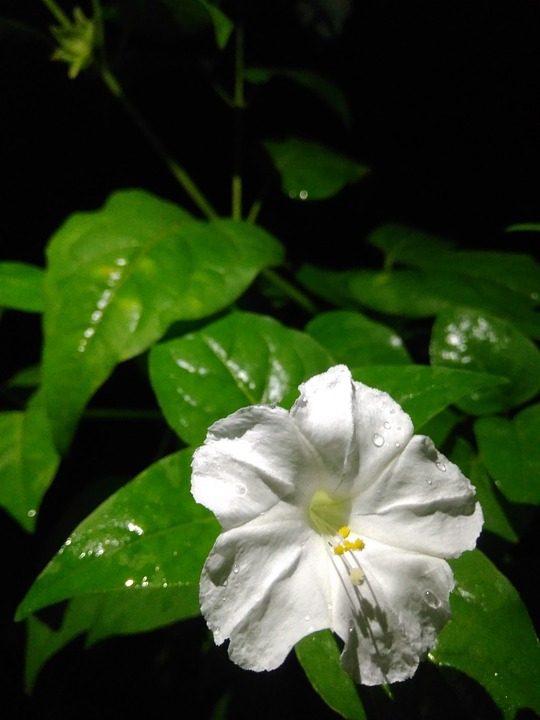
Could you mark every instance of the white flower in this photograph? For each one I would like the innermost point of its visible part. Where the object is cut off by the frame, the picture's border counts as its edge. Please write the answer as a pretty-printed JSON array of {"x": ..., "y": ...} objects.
[{"x": 333, "y": 515}]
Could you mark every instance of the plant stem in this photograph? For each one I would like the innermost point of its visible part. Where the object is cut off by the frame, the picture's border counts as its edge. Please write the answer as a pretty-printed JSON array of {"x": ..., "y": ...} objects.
[
  {"x": 254, "y": 211},
  {"x": 290, "y": 290},
  {"x": 175, "y": 168},
  {"x": 57, "y": 12},
  {"x": 238, "y": 104}
]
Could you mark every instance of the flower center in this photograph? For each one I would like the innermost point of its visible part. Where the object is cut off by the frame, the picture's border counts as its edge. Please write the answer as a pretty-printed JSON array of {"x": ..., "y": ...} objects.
[
  {"x": 329, "y": 516},
  {"x": 328, "y": 513}
]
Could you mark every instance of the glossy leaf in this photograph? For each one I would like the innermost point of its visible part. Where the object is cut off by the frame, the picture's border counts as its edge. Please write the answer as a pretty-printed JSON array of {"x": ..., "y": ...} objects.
[
  {"x": 511, "y": 452},
  {"x": 491, "y": 636},
  {"x": 356, "y": 340},
  {"x": 21, "y": 286},
  {"x": 149, "y": 536},
  {"x": 319, "y": 656},
  {"x": 475, "y": 340},
  {"x": 28, "y": 461},
  {"x": 310, "y": 171},
  {"x": 421, "y": 390},
  {"x": 328, "y": 92},
  {"x": 495, "y": 517},
  {"x": 419, "y": 293},
  {"x": 240, "y": 360},
  {"x": 118, "y": 277},
  {"x": 397, "y": 292},
  {"x": 408, "y": 246}
]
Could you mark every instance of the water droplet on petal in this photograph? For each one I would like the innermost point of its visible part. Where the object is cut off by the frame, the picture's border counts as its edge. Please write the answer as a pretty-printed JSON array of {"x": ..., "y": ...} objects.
[
  {"x": 225, "y": 583},
  {"x": 398, "y": 444},
  {"x": 432, "y": 600},
  {"x": 440, "y": 466},
  {"x": 307, "y": 618},
  {"x": 387, "y": 425},
  {"x": 236, "y": 569},
  {"x": 428, "y": 481},
  {"x": 378, "y": 440}
]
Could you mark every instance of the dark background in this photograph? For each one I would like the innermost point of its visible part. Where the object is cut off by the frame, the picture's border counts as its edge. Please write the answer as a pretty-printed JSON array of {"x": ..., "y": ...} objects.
[
  {"x": 444, "y": 100},
  {"x": 445, "y": 110}
]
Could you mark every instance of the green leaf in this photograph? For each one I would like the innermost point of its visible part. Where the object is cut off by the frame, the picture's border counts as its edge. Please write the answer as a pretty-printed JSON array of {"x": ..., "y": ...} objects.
[
  {"x": 516, "y": 271},
  {"x": 310, "y": 171},
  {"x": 464, "y": 337},
  {"x": 223, "y": 26},
  {"x": 491, "y": 637},
  {"x": 150, "y": 536},
  {"x": 119, "y": 276},
  {"x": 105, "y": 614},
  {"x": 42, "y": 642},
  {"x": 29, "y": 377},
  {"x": 419, "y": 293},
  {"x": 511, "y": 453},
  {"x": 21, "y": 286},
  {"x": 441, "y": 425},
  {"x": 195, "y": 16},
  {"x": 319, "y": 656},
  {"x": 397, "y": 292},
  {"x": 327, "y": 91},
  {"x": 356, "y": 340},
  {"x": 406, "y": 245},
  {"x": 240, "y": 360},
  {"x": 495, "y": 517},
  {"x": 523, "y": 227},
  {"x": 421, "y": 390},
  {"x": 28, "y": 461}
]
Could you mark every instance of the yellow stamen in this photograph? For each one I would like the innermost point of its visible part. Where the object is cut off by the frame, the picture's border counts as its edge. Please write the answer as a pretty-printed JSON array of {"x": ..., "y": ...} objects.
[
  {"x": 328, "y": 512},
  {"x": 348, "y": 545}
]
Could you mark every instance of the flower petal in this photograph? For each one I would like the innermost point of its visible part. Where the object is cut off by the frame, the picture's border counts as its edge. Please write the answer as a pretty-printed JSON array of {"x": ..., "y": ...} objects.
[
  {"x": 358, "y": 430},
  {"x": 290, "y": 489},
  {"x": 265, "y": 591},
  {"x": 402, "y": 605},
  {"x": 252, "y": 460},
  {"x": 422, "y": 503}
]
